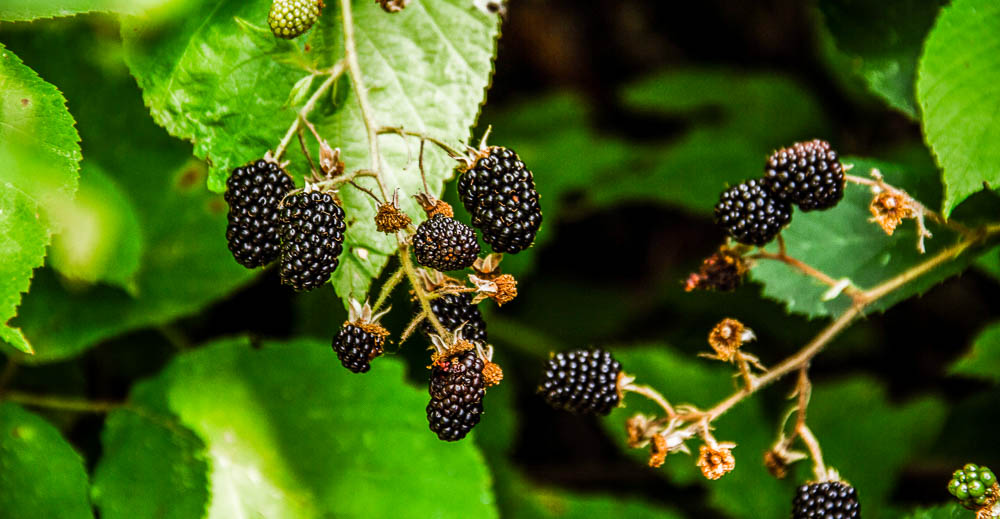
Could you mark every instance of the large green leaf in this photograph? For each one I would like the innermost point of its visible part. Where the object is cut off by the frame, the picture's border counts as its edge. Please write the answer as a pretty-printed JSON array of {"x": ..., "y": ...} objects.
[
  {"x": 843, "y": 243},
  {"x": 211, "y": 77},
  {"x": 746, "y": 492},
  {"x": 959, "y": 93},
  {"x": 983, "y": 361},
  {"x": 40, "y": 473},
  {"x": 289, "y": 432},
  {"x": 883, "y": 40},
  {"x": 870, "y": 439},
  {"x": 40, "y": 151},
  {"x": 152, "y": 467},
  {"x": 25, "y": 10},
  {"x": 184, "y": 264}
]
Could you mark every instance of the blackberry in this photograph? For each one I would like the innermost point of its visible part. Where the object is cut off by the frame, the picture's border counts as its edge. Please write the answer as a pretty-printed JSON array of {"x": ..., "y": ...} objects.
[
  {"x": 499, "y": 193},
  {"x": 751, "y": 214},
  {"x": 974, "y": 486},
  {"x": 356, "y": 346},
  {"x": 582, "y": 382},
  {"x": 253, "y": 193},
  {"x": 821, "y": 500},
  {"x": 457, "y": 387},
  {"x": 807, "y": 174},
  {"x": 312, "y": 237},
  {"x": 454, "y": 310},
  {"x": 444, "y": 244},
  {"x": 291, "y": 18}
]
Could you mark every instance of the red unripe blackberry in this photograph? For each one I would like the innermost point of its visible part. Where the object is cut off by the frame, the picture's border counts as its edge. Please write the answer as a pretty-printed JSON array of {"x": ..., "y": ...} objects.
[
  {"x": 358, "y": 345},
  {"x": 751, "y": 214},
  {"x": 499, "y": 193},
  {"x": 822, "y": 500},
  {"x": 582, "y": 382},
  {"x": 807, "y": 174},
  {"x": 312, "y": 237},
  {"x": 253, "y": 193},
  {"x": 454, "y": 310},
  {"x": 444, "y": 244},
  {"x": 457, "y": 387}
]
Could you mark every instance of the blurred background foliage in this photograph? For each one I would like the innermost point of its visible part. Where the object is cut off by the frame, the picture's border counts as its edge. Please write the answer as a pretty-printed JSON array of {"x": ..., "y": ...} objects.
[{"x": 633, "y": 116}]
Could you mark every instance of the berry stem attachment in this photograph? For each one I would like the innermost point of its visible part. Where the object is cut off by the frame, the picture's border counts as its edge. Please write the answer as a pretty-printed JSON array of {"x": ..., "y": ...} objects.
[
  {"x": 651, "y": 394},
  {"x": 418, "y": 290},
  {"x": 334, "y": 73},
  {"x": 819, "y": 468}
]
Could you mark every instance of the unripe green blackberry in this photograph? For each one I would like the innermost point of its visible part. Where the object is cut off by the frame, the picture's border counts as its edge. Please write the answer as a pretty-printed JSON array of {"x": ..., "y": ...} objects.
[
  {"x": 974, "y": 486},
  {"x": 253, "y": 193},
  {"x": 835, "y": 499},
  {"x": 456, "y": 387},
  {"x": 291, "y": 18},
  {"x": 454, "y": 310},
  {"x": 312, "y": 237},
  {"x": 807, "y": 174},
  {"x": 582, "y": 382},
  {"x": 444, "y": 244},
  {"x": 499, "y": 192},
  {"x": 751, "y": 214}
]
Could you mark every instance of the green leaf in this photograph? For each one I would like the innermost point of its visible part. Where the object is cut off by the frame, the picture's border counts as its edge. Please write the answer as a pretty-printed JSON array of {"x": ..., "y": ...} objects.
[
  {"x": 289, "y": 432},
  {"x": 746, "y": 492},
  {"x": 883, "y": 40},
  {"x": 40, "y": 474},
  {"x": 207, "y": 79},
  {"x": 869, "y": 439},
  {"x": 958, "y": 88},
  {"x": 948, "y": 511},
  {"x": 184, "y": 263},
  {"x": 26, "y": 10},
  {"x": 152, "y": 467},
  {"x": 731, "y": 122},
  {"x": 100, "y": 237},
  {"x": 843, "y": 243},
  {"x": 40, "y": 151},
  {"x": 983, "y": 361}
]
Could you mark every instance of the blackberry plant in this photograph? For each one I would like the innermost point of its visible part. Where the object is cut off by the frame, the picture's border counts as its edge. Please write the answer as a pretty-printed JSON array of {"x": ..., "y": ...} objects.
[
  {"x": 253, "y": 193},
  {"x": 312, "y": 237}
]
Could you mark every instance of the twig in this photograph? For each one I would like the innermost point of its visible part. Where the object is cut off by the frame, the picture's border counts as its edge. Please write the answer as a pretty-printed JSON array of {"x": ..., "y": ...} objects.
[
  {"x": 387, "y": 288},
  {"x": 814, "y": 452},
  {"x": 418, "y": 290},
  {"x": 423, "y": 137},
  {"x": 305, "y": 151},
  {"x": 653, "y": 395},
  {"x": 335, "y": 71}
]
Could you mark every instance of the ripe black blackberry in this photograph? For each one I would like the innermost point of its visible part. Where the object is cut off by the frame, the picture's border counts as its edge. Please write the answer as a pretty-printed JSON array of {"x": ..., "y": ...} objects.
[
  {"x": 582, "y": 382},
  {"x": 751, "y": 214},
  {"x": 835, "y": 499},
  {"x": 454, "y": 310},
  {"x": 312, "y": 237},
  {"x": 253, "y": 193},
  {"x": 807, "y": 174},
  {"x": 444, "y": 244},
  {"x": 356, "y": 346},
  {"x": 499, "y": 193},
  {"x": 457, "y": 387}
]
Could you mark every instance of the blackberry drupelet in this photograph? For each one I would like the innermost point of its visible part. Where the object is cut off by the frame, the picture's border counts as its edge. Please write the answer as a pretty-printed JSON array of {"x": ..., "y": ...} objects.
[
  {"x": 807, "y": 174},
  {"x": 452, "y": 310},
  {"x": 457, "y": 387},
  {"x": 499, "y": 193},
  {"x": 253, "y": 193},
  {"x": 312, "y": 237},
  {"x": 356, "y": 345},
  {"x": 822, "y": 500},
  {"x": 444, "y": 244},
  {"x": 751, "y": 214},
  {"x": 291, "y": 18},
  {"x": 582, "y": 382}
]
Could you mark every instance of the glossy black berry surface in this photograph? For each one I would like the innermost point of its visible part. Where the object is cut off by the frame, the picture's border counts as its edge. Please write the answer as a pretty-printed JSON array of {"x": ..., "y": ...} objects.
[
  {"x": 356, "y": 347},
  {"x": 581, "y": 381},
  {"x": 456, "y": 388},
  {"x": 833, "y": 500},
  {"x": 312, "y": 227},
  {"x": 444, "y": 244},
  {"x": 454, "y": 310},
  {"x": 253, "y": 193},
  {"x": 499, "y": 192},
  {"x": 751, "y": 214},
  {"x": 807, "y": 174}
]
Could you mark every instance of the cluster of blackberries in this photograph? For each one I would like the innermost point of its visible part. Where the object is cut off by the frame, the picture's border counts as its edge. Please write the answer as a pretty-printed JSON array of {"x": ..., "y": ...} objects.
[
  {"x": 267, "y": 221},
  {"x": 582, "y": 382},
  {"x": 807, "y": 174},
  {"x": 835, "y": 499}
]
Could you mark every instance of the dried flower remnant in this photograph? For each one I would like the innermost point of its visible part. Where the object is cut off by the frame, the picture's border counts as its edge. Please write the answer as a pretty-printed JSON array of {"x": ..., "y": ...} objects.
[{"x": 716, "y": 461}]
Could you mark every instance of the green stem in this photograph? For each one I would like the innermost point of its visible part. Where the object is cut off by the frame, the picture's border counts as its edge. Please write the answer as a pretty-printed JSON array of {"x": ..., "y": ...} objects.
[
  {"x": 78, "y": 405},
  {"x": 387, "y": 288},
  {"x": 335, "y": 73},
  {"x": 418, "y": 290}
]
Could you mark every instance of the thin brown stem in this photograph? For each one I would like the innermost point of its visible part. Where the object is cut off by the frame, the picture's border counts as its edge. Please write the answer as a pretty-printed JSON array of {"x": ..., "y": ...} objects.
[
  {"x": 305, "y": 151},
  {"x": 653, "y": 395},
  {"x": 814, "y": 452},
  {"x": 797, "y": 264},
  {"x": 335, "y": 73},
  {"x": 365, "y": 190},
  {"x": 78, "y": 405},
  {"x": 423, "y": 137}
]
